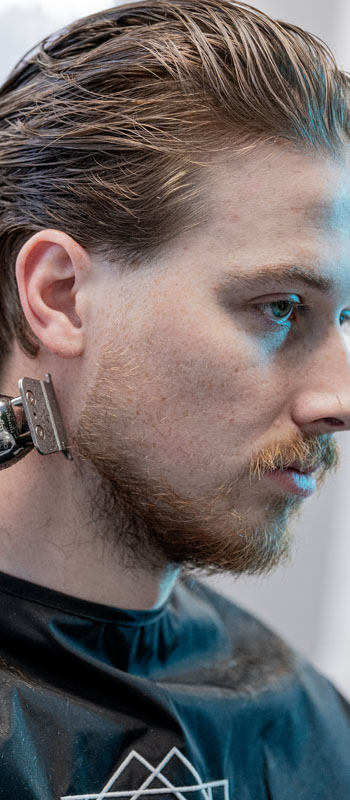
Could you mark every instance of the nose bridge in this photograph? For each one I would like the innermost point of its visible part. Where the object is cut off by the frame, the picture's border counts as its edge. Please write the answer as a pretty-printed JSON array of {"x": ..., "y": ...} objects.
[
  {"x": 325, "y": 394},
  {"x": 329, "y": 364}
]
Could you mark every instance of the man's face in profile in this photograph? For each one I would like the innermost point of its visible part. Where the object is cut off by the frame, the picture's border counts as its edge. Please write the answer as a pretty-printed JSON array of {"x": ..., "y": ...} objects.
[{"x": 199, "y": 392}]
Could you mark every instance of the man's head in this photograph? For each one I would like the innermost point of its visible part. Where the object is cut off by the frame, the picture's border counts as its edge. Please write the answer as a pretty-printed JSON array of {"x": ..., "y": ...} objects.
[{"x": 155, "y": 157}]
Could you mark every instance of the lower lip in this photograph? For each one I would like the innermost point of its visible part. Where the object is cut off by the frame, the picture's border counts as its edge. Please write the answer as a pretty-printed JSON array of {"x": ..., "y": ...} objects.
[{"x": 294, "y": 482}]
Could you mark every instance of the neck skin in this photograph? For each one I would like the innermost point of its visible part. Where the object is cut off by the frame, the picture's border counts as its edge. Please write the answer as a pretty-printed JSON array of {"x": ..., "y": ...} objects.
[{"x": 45, "y": 528}]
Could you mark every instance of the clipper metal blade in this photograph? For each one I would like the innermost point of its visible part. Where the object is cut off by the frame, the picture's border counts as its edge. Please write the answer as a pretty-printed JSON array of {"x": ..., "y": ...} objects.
[
  {"x": 31, "y": 420},
  {"x": 43, "y": 416}
]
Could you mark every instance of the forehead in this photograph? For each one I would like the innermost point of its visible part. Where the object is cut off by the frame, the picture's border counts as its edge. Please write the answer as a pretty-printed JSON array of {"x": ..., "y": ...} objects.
[
  {"x": 271, "y": 207},
  {"x": 276, "y": 187},
  {"x": 274, "y": 206}
]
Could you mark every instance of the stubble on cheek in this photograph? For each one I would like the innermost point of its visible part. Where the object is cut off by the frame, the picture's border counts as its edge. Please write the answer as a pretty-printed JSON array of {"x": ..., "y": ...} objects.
[
  {"x": 140, "y": 513},
  {"x": 156, "y": 431}
]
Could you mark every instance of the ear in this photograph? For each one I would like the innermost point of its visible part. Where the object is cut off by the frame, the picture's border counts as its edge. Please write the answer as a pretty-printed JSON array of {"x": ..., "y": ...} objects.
[{"x": 51, "y": 268}]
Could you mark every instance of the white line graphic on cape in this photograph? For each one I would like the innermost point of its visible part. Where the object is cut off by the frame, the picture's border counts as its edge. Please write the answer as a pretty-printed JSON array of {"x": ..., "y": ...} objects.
[{"x": 186, "y": 792}]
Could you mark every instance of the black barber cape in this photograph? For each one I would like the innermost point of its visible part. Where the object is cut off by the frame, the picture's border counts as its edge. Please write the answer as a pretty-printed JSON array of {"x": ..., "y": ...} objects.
[{"x": 196, "y": 700}]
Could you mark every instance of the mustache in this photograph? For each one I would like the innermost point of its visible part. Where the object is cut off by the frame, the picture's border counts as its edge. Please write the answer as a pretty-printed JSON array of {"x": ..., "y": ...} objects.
[{"x": 309, "y": 451}]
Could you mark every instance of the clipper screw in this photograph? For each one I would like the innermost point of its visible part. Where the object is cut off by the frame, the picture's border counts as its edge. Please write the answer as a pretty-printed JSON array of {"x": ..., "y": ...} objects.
[{"x": 32, "y": 400}]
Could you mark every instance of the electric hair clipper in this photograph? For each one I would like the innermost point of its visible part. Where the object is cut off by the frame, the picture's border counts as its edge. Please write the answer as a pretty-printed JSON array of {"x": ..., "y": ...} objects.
[{"x": 31, "y": 420}]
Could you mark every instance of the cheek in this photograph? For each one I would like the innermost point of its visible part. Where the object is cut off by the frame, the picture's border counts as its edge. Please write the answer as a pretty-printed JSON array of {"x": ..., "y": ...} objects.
[{"x": 194, "y": 403}]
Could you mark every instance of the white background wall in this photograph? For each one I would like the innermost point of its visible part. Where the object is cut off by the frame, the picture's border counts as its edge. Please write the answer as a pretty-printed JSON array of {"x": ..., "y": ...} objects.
[{"x": 308, "y": 602}]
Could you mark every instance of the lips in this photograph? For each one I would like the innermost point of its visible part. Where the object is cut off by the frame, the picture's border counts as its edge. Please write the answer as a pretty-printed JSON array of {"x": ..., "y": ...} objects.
[
  {"x": 293, "y": 481},
  {"x": 296, "y": 466}
]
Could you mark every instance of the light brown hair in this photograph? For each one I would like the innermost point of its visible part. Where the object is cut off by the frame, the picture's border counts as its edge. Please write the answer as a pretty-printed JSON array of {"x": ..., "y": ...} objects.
[{"x": 105, "y": 127}]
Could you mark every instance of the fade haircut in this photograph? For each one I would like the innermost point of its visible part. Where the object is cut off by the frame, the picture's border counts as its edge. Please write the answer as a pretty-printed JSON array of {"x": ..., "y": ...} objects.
[{"x": 107, "y": 127}]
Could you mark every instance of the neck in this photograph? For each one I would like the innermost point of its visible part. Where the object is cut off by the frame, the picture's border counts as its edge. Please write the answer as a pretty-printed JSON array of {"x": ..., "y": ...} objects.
[{"x": 46, "y": 537}]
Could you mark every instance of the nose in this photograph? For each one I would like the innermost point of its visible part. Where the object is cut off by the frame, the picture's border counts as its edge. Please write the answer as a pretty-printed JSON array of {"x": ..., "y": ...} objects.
[{"x": 323, "y": 405}]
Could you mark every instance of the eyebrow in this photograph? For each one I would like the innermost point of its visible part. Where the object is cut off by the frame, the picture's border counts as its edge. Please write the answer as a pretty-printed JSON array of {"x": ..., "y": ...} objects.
[{"x": 278, "y": 274}]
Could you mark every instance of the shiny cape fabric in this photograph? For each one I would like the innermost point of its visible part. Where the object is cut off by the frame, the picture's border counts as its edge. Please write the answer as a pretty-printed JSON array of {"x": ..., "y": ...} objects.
[{"x": 196, "y": 700}]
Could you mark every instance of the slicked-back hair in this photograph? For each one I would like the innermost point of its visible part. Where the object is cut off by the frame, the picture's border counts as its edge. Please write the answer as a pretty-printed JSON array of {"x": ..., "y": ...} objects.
[{"x": 107, "y": 127}]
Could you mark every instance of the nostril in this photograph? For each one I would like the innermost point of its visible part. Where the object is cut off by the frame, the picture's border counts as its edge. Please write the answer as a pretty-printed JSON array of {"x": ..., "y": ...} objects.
[{"x": 334, "y": 421}]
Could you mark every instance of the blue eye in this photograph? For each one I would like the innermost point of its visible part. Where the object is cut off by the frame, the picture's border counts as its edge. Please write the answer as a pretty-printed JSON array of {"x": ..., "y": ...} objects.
[
  {"x": 347, "y": 313},
  {"x": 284, "y": 309}
]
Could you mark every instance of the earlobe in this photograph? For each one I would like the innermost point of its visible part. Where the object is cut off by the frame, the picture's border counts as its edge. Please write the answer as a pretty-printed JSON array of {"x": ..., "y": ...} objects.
[{"x": 50, "y": 271}]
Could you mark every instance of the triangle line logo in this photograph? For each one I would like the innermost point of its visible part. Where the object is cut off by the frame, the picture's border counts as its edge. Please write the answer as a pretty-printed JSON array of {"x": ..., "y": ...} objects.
[{"x": 197, "y": 790}]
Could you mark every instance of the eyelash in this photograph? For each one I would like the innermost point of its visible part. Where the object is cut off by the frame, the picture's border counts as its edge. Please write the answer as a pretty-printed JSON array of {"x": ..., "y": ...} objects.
[{"x": 301, "y": 308}]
